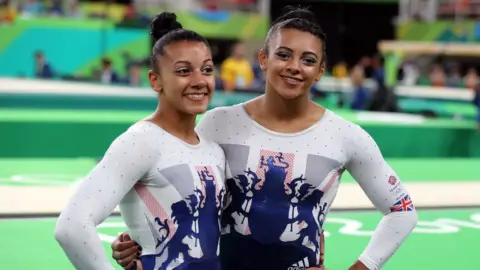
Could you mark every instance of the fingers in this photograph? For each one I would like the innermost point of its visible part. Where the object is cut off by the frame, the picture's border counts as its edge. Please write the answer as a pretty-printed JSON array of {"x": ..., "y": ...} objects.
[
  {"x": 124, "y": 237},
  {"x": 322, "y": 249},
  {"x": 139, "y": 265},
  {"x": 136, "y": 263},
  {"x": 125, "y": 250},
  {"x": 121, "y": 237},
  {"x": 322, "y": 243},
  {"x": 130, "y": 266},
  {"x": 124, "y": 246},
  {"x": 117, "y": 241},
  {"x": 128, "y": 261}
]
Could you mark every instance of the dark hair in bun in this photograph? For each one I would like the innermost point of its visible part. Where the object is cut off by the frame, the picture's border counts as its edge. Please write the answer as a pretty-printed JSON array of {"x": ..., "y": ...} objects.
[
  {"x": 163, "y": 23},
  {"x": 301, "y": 19},
  {"x": 292, "y": 12},
  {"x": 165, "y": 29}
]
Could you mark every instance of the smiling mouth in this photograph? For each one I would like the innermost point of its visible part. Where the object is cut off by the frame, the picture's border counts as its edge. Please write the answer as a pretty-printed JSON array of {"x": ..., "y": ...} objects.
[
  {"x": 291, "y": 79},
  {"x": 196, "y": 96}
]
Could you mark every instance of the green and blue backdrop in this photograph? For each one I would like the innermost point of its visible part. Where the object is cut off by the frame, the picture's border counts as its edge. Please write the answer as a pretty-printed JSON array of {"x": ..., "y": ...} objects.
[{"x": 75, "y": 46}]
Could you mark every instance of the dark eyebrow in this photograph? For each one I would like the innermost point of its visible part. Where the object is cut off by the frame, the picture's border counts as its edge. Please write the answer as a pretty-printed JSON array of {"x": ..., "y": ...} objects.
[
  {"x": 183, "y": 62},
  {"x": 285, "y": 48},
  {"x": 312, "y": 53},
  {"x": 189, "y": 63},
  {"x": 291, "y": 51}
]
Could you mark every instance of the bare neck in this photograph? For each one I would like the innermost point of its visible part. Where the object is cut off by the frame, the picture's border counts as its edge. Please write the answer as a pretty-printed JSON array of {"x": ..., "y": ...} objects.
[
  {"x": 174, "y": 122},
  {"x": 284, "y": 109}
]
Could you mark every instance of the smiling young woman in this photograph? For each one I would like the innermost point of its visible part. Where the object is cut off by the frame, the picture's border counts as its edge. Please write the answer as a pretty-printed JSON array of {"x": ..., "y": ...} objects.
[{"x": 160, "y": 171}]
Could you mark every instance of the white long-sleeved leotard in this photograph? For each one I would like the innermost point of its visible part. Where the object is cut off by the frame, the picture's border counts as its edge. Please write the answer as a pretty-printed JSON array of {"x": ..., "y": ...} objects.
[
  {"x": 280, "y": 188},
  {"x": 170, "y": 194}
]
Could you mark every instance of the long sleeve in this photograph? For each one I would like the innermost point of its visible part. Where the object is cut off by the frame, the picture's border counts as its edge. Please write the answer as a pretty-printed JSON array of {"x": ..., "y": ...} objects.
[
  {"x": 384, "y": 189},
  {"x": 127, "y": 160}
]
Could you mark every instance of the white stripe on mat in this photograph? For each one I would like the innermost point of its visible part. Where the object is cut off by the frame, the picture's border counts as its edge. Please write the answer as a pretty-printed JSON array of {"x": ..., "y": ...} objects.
[{"x": 36, "y": 200}]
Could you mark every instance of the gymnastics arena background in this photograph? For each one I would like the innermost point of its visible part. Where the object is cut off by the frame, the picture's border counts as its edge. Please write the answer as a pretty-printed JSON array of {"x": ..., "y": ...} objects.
[{"x": 58, "y": 116}]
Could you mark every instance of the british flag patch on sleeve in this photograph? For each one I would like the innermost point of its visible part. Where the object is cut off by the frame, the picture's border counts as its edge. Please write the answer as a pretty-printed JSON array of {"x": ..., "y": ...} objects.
[{"x": 404, "y": 204}]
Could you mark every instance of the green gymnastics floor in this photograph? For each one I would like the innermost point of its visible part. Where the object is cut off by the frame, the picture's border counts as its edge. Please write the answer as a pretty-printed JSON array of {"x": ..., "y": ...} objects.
[{"x": 443, "y": 239}]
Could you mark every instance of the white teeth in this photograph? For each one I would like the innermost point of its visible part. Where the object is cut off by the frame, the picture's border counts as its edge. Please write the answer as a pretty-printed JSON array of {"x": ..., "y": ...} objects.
[
  {"x": 195, "y": 96},
  {"x": 291, "y": 79}
]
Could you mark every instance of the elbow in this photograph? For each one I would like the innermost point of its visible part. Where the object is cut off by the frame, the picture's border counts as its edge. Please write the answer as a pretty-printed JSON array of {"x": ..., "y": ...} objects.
[
  {"x": 61, "y": 231},
  {"x": 66, "y": 230},
  {"x": 69, "y": 230}
]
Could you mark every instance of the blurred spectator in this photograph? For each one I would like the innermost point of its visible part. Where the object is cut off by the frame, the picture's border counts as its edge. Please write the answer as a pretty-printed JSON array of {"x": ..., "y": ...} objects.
[
  {"x": 96, "y": 75},
  {"x": 471, "y": 79},
  {"x": 133, "y": 18},
  {"x": 32, "y": 8},
  {"x": 243, "y": 5},
  {"x": 108, "y": 74},
  {"x": 236, "y": 71},
  {"x": 211, "y": 5},
  {"x": 134, "y": 76},
  {"x": 73, "y": 11},
  {"x": 437, "y": 76},
  {"x": 378, "y": 68},
  {"x": 366, "y": 64},
  {"x": 454, "y": 77},
  {"x": 360, "y": 96},
  {"x": 56, "y": 8},
  {"x": 130, "y": 12},
  {"x": 476, "y": 102},
  {"x": 340, "y": 70},
  {"x": 177, "y": 5},
  {"x": 8, "y": 11},
  {"x": 42, "y": 67},
  {"x": 384, "y": 99},
  {"x": 258, "y": 75}
]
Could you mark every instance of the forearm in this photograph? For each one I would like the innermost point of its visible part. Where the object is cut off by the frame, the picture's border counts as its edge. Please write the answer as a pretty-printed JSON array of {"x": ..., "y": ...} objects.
[
  {"x": 387, "y": 193},
  {"x": 125, "y": 162},
  {"x": 75, "y": 230},
  {"x": 82, "y": 245},
  {"x": 392, "y": 230}
]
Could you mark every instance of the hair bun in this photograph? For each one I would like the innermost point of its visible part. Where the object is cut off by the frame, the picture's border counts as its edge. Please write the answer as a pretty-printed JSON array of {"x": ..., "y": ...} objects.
[
  {"x": 296, "y": 12},
  {"x": 163, "y": 23}
]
